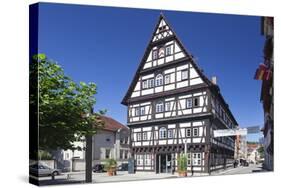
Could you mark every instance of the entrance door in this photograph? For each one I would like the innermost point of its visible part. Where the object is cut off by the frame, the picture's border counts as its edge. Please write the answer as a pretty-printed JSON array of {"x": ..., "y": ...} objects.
[{"x": 164, "y": 163}]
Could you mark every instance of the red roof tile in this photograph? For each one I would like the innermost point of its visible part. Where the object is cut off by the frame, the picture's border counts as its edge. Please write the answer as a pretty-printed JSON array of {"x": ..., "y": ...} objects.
[{"x": 111, "y": 124}]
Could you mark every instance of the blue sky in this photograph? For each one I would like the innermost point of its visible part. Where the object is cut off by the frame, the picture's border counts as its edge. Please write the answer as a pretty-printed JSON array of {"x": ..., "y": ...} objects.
[{"x": 104, "y": 45}]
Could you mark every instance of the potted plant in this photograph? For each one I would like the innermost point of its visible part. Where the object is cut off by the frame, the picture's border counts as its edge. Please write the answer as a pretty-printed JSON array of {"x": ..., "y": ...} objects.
[
  {"x": 110, "y": 167},
  {"x": 182, "y": 165}
]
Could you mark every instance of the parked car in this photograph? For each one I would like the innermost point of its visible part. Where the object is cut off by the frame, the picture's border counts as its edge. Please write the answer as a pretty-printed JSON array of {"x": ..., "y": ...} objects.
[
  {"x": 43, "y": 170},
  {"x": 246, "y": 163},
  {"x": 98, "y": 168},
  {"x": 123, "y": 167}
]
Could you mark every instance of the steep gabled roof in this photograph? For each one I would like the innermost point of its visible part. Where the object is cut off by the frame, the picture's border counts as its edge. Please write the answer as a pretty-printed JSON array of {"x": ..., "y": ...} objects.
[
  {"x": 189, "y": 57},
  {"x": 213, "y": 87},
  {"x": 111, "y": 124}
]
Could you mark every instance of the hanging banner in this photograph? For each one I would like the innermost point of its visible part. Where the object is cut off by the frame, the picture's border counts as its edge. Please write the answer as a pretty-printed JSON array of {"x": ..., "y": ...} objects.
[{"x": 230, "y": 132}]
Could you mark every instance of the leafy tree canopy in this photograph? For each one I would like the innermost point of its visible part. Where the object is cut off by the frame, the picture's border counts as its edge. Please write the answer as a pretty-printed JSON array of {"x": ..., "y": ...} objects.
[{"x": 64, "y": 106}]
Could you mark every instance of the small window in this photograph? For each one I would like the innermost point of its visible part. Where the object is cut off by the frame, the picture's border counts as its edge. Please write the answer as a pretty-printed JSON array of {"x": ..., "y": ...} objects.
[
  {"x": 137, "y": 111},
  {"x": 167, "y": 106},
  {"x": 196, "y": 101},
  {"x": 167, "y": 79},
  {"x": 144, "y": 84},
  {"x": 150, "y": 83},
  {"x": 121, "y": 154},
  {"x": 159, "y": 107},
  {"x": 107, "y": 153},
  {"x": 139, "y": 160},
  {"x": 168, "y": 50},
  {"x": 162, "y": 133},
  {"x": 188, "y": 132},
  {"x": 144, "y": 136},
  {"x": 196, "y": 159},
  {"x": 147, "y": 159},
  {"x": 184, "y": 74},
  {"x": 161, "y": 52},
  {"x": 138, "y": 136},
  {"x": 154, "y": 54},
  {"x": 142, "y": 110},
  {"x": 188, "y": 103},
  {"x": 170, "y": 133},
  {"x": 126, "y": 154},
  {"x": 188, "y": 159},
  {"x": 195, "y": 132},
  {"x": 159, "y": 80},
  {"x": 162, "y": 28}
]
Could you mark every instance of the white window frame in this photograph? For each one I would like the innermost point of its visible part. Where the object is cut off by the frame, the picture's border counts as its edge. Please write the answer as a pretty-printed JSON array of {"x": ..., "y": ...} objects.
[
  {"x": 154, "y": 54},
  {"x": 144, "y": 84},
  {"x": 197, "y": 159},
  {"x": 159, "y": 107},
  {"x": 163, "y": 133},
  {"x": 189, "y": 103},
  {"x": 137, "y": 111},
  {"x": 170, "y": 133},
  {"x": 159, "y": 80},
  {"x": 162, "y": 48},
  {"x": 188, "y": 159},
  {"x": 139, "y": 137},
  {"x": 188, "y": 130},
  {"x": 167, "y": 106},
  {"x": 144, "y": 136},
  {"x": 150, "y": 83},
  {"x": 196, "y": 128},
  {"x": 168, "y": 50},
  {"x": 142, "y": 110},
  {"x": 184, "y": 74},
  {"x": 147, "y": 160},
  {"x": 198, "y": 101},
  {"x": 167, "y": 78}
]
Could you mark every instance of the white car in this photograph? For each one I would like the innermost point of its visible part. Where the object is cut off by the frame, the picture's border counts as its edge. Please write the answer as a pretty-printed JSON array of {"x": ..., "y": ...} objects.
[{"x": 43, "y": 170}]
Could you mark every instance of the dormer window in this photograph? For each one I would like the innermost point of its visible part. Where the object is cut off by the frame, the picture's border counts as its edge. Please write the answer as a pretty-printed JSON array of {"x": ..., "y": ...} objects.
[{"x": 159, "y": 80}]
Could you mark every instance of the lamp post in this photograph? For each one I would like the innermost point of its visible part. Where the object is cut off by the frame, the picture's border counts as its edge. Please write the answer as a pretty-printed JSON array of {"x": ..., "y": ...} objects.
[{"x": 185, "y": 147}]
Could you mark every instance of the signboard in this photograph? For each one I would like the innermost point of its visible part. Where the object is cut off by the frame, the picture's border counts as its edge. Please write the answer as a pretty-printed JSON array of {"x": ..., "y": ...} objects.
[
  {"x": 230, "y": 132},
  {"x": 253, "y": 129}
]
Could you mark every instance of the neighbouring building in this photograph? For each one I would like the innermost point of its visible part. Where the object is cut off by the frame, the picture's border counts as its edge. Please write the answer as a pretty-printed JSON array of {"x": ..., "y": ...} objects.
[
  {"x": 241, "y": 147},
  {"x": 173, "y": 107},
  {"x": 110, "y": 142},
  {"x": 265, "y": 74},
  {"x": 253, "y": 154}
]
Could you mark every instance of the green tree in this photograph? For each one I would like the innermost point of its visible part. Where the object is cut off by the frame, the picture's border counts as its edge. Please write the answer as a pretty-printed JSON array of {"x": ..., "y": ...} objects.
[
  {"x": 64, "y": 106},
  {"x": 261, "y": 151}
]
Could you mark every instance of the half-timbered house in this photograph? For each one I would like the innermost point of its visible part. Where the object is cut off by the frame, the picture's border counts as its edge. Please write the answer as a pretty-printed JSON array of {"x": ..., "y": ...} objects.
[{"x": 174, "y": 108}]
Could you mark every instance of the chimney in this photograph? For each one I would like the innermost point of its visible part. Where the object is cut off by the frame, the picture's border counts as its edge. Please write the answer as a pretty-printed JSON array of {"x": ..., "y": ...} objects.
[{"x": 214, "y": 80}]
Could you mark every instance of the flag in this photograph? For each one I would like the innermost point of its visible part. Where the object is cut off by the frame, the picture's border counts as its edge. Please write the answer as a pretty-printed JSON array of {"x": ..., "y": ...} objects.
[{"x": 262, "y": 73}]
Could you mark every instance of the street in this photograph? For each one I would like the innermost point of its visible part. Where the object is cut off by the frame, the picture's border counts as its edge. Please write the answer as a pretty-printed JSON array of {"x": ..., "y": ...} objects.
[
  {"x": 79, "y": 177},
  {"x": 252, "y": 168}
]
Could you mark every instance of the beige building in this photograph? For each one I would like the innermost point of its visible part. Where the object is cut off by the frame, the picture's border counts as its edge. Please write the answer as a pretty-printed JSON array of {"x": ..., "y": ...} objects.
[{"x": 110, "y": 142}]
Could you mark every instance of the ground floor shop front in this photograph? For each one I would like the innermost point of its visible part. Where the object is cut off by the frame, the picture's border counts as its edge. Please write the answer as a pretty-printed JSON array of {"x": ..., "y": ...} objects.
[
  {"x": 161, "y": 161},
  {"x": 198, "y": 160}
]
